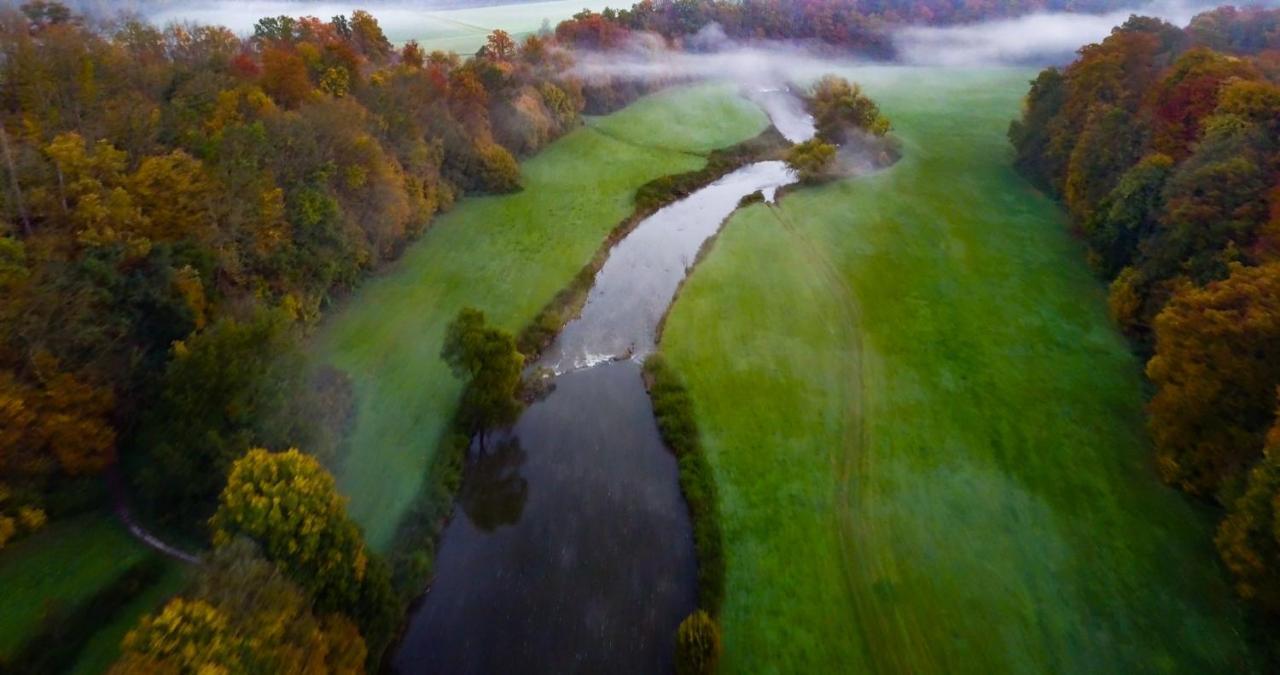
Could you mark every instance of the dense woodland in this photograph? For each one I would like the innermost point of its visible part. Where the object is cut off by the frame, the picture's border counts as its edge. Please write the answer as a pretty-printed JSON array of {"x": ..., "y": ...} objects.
[
  {"x": 846, "y": 25},
  {"x": 179, "y": 207},
  {"x": 1164, "y": 145}
]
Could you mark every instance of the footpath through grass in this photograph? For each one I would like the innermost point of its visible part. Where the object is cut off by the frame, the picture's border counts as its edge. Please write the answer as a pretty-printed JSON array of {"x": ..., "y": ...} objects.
[
  {"x": 507, "y": 256},
  {"x": 928, "y": 437}
]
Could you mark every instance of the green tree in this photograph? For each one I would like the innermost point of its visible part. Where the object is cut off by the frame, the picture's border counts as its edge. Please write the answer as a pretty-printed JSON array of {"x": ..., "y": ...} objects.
[
  {"x": 226, "y": 388},
  {"x": 1129, "y": 215},
  {"x": 697, "y": 645},
  {"x": 487, "y": 358}
]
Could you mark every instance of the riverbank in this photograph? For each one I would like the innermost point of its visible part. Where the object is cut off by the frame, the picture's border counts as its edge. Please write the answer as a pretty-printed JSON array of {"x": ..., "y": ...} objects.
[{"x": 507, "y": 255}]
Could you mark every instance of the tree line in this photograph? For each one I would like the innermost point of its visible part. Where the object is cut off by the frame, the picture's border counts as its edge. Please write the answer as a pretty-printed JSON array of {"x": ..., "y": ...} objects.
[
  {"x": 1164, "y": 146},
  {"x": 861, "y": 26},
  {"x": 177, "y": 203}
]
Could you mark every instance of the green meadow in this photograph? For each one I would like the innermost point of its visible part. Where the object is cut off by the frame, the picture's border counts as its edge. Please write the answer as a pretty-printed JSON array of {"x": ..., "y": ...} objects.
[
  {"x": 928, "y": 436},
  {"x": 465, "y": 29},
  {"x": 508, "y": 256},
  {"x": 57, "y": 568}
]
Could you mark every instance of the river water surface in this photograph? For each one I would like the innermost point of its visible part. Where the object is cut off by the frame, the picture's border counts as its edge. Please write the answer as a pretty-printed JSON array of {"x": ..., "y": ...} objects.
[{"x": 571, "y": 548}]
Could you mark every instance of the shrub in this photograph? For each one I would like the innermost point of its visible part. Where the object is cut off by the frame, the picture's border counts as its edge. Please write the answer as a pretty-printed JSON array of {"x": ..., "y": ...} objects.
[
  {"x": 673, "y": 409},
  {"x": 812, "y": 160},
  {"x": 697, "y": 645}
]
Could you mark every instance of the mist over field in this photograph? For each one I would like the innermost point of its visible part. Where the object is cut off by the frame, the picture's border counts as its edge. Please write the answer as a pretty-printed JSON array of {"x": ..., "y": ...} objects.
[{"x": 1034, "y": 39}]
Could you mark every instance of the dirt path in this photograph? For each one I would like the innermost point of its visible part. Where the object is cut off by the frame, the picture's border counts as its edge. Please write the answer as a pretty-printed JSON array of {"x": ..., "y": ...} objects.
[{"x": 120, "y": 504}]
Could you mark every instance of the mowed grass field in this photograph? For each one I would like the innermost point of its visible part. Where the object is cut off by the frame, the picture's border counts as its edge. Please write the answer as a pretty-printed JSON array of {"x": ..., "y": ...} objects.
[
  {"x": 928, "y": 436},
  {"x": 508, "y": 256}
]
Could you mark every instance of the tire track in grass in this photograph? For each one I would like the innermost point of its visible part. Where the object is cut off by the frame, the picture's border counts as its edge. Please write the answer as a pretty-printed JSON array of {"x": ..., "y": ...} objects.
[{"x": 854, "y": 460}]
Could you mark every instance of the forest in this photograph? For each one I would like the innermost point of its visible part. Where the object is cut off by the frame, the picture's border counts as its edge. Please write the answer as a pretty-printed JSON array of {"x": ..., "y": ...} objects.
[
  {"x": 182, "y": 208},
  {"x": 1163, "y": 144}
]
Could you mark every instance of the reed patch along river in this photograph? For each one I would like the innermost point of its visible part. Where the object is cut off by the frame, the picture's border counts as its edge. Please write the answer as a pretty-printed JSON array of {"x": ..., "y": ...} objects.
[{"x": 571, "y": 548}]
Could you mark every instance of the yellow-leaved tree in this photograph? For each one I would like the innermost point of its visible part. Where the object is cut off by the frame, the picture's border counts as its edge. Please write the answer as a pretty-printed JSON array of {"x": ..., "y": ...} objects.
[
  {"x": 288, "y": 504},
  {"x": 242, "y": 615}
]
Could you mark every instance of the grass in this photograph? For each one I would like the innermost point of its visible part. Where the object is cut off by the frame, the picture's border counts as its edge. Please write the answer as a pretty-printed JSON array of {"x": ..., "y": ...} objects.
[
  {"x": 104, "y": 647},
  {"x": 464, "y": 29},
  {"x": 927, "y": 436},
  {"x": 57, "y": 567},
  {"x": 507, "y": 255},
  {"x": 660, "y": 119}
]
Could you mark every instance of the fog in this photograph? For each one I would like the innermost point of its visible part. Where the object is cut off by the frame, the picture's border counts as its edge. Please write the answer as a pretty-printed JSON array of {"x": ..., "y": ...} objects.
[
  {"x": 455, "y": 24},
  {"x": 1034, "y": 39}
]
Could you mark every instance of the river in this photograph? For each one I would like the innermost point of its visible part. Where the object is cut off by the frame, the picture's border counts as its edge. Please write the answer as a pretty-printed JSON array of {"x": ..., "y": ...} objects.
[{"x": 571, "y": 548}]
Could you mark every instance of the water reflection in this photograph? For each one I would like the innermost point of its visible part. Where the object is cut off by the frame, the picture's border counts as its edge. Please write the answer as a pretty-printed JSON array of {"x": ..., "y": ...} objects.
[
  {"x": 493, "y": 491},
  {"x": 575, "y": 555}
]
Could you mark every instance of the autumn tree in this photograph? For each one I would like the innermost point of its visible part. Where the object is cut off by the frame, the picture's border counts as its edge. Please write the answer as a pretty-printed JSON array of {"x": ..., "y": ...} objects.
[
  {"x": 1249, "y": 538},
  {"x": 698, "y": 645},
  {"x": 242, "y": 615},
  {"x": 487, "y": 358},
  {"x": 186, "y": 636},
  {"x": 223, "y": 391},
  {"x": 289, "y": 505},
  {"x": 284, "y": 77},
  {"x": 812, "y": 160},
  {"x": 368, "y": 37},
  {"x": 1216, "y": 368},
  {"x": 500, "y": 46},
  {"x": 840, "y": 107},
  {"x": 1188, "y": 93}
]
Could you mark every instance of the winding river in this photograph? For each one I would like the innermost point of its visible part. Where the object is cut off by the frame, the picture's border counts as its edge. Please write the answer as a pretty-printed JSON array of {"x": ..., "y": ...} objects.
[{"x": 571, "y": 549}]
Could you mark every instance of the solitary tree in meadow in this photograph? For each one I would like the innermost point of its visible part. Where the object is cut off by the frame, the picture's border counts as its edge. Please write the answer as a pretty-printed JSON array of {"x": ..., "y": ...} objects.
[{"x": 488, "y": 359}]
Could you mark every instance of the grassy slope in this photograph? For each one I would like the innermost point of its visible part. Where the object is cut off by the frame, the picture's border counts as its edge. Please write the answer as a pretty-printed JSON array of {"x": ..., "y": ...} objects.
[
  {"x": 928, "y": 436},
  {"x": 506, "y": 255},
  {"x": 62, "y": 564}
]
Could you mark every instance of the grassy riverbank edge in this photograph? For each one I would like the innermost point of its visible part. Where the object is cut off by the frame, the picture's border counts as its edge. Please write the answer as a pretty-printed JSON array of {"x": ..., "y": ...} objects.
[
  {"x": 673, "y": 409},
  {"x": 418, "y": 534}
]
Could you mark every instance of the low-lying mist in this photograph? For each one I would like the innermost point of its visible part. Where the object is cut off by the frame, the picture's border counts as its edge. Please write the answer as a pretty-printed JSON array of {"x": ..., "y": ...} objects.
[
  {"x": 1035, "y": 39},
  {"x": 1041, "y": 39}
]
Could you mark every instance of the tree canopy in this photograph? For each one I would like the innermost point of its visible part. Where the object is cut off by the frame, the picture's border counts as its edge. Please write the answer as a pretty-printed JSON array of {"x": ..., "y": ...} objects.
[{"x": 487, "y": 358}]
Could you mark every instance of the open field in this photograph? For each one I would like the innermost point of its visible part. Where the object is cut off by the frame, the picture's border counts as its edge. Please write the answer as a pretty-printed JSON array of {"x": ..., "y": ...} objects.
[
  {"x": 461, "y": 30},
  {"x": 506, "y": 255},
  {"x": 60, "y": 566},
  {"x": 927, "y": 434}
]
